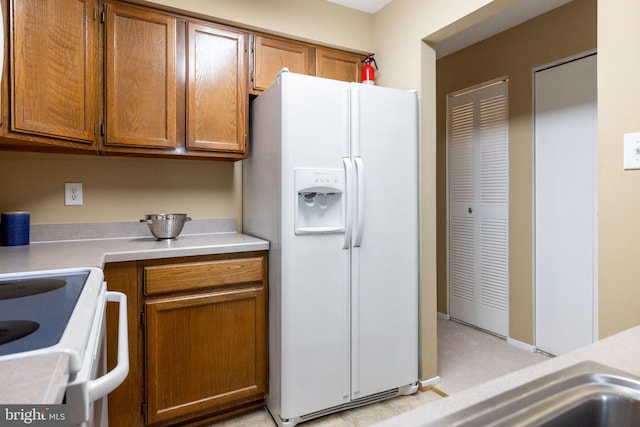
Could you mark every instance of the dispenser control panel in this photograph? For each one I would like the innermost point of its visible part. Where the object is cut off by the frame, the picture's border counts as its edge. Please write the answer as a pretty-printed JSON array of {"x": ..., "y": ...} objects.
[{"x": 320, "y": 180}]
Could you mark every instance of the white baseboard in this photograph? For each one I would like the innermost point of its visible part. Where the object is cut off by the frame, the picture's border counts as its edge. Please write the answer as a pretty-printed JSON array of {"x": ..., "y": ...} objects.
[
  {"x": 444, "y": 316},
  {"x": 430, "y": 382},
  {"x": 522, "y": 345}
]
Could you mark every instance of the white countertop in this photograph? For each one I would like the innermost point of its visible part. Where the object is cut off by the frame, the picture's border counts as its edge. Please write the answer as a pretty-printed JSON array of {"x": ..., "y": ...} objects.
[
  {"x": 97, "y": 252},
  {"x": 620, "y": 351},
  {"x": 37, "y": 380}
]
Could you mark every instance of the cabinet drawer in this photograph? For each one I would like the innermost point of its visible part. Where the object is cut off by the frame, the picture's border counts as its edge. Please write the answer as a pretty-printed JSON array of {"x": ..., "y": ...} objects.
[{"x": 198, "y": 275}]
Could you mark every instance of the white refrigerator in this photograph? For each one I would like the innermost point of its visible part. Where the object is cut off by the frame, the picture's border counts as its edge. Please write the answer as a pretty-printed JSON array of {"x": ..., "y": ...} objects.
[{"x": 332, "y": 182}]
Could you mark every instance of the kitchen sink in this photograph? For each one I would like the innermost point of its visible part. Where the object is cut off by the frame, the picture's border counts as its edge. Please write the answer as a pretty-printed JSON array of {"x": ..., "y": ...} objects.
[{"x": 587, "y": 394}]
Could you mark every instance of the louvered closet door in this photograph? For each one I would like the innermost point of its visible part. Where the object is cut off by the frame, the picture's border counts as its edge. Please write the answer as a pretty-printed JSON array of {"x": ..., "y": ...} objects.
[{"x": 478, "y": 207}]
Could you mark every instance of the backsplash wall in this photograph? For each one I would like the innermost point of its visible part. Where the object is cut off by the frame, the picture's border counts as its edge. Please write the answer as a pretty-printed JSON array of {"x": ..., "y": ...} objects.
[{"x": 118, "y": 188}]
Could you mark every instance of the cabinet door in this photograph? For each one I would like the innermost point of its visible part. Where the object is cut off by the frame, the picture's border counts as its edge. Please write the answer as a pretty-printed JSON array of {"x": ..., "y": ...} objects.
[
  {"x": 216, "y": 89},
  {"x": 54, "y": 69},
  {"x": 140, "y": 78},
  {"x": 338, "y": 65},
  {"x": 205, "y": 352},
  {"x": 272, "y": 55}
]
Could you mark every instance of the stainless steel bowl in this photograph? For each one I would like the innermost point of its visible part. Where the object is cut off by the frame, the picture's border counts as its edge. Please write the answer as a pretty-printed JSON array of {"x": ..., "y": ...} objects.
[{"x": 165, "y": 226}]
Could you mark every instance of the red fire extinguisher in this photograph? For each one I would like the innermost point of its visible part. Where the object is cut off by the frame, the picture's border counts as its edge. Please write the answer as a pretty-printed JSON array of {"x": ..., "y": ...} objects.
[{"x": 368, "y": 73}]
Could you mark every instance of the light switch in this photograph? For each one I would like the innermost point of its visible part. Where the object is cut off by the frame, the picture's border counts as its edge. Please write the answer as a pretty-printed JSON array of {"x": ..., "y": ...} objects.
[{"x": 632, "y": 150}]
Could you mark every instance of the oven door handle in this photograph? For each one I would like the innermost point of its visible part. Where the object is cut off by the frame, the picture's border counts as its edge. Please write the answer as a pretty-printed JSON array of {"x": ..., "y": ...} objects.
[{"x": 104, "y": 385}]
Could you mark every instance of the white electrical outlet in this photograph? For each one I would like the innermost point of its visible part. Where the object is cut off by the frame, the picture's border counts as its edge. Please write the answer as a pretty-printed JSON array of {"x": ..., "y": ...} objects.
[{"x": 72, "y": 193}]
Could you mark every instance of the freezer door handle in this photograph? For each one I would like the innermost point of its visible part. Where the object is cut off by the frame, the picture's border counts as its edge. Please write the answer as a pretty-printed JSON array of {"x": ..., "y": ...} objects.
[
  {"x": 360, "y": 201},
  {"x": 348, "y": 226}
]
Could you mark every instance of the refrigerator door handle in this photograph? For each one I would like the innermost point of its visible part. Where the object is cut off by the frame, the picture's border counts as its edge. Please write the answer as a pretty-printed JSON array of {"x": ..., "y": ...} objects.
[
  {"x": 348, "y": 227},
  {"x": 360, "y": 201}
]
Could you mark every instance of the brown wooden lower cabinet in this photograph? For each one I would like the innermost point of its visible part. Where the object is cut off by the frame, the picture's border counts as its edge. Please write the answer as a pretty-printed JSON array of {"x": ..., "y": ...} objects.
[{"x": 198, "y": 338}]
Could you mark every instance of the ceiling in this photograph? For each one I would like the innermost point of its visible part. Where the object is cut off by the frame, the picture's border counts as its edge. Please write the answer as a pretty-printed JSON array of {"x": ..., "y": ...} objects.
[
  {"x": 520, "y": 11},
  {"x": 371, "y": 6}
]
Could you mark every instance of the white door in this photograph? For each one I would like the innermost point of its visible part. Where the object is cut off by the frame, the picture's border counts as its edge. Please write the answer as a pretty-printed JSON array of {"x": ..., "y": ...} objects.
[
  {"x": 479, "y": 207},
  {"x": 565, "y": 205},
  {"x": 384, "y": 290}
]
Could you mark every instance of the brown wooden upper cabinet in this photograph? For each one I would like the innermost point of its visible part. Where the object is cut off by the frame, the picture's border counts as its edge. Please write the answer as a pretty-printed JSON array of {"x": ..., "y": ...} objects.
[
  {"x": 216, "y": 89},
  {"x": 338, "y": 65},
  {"x": 271, "y": 55},
  {"x": 54, "y": 67},
  {"x": 140, "y": 78},
  {"x": 174, "y": 86},
  {"x": 160, "y": 84}
]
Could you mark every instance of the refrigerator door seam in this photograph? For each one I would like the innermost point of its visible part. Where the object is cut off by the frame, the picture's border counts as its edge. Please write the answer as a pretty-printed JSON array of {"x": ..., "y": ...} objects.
[
  {"x": 355, "y": 121},
  {"x": 346, "y": 312},
  {"x": 355, "y": 323}
]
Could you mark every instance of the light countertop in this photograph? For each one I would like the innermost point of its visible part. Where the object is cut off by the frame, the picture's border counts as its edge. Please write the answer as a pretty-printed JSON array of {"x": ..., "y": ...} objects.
[
  {"x": 56, "y": 246},
  {"x": 37, "y": 380},
  {"x": 620, "y": 351},
  {"x": 98, "y": 252}
]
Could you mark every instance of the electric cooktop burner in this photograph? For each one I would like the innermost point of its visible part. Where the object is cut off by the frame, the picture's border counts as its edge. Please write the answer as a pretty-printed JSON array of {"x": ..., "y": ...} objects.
[
  {"x": 26, "y": 287},
  {"x": 11, "y": 330},
  {"x": 34, "y": 310}
]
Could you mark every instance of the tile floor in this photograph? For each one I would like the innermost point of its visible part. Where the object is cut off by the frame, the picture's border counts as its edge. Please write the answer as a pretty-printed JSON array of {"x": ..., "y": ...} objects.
[{"x": 466, "y": 357}]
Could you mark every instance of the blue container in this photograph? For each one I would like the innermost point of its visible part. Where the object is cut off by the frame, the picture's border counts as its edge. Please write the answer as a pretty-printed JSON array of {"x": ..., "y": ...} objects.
[{"x": 14, "y": 228}]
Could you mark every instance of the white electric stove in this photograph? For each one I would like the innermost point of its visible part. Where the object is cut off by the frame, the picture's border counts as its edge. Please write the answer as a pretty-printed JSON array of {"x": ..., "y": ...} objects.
[{"x": 64, "y": 311}]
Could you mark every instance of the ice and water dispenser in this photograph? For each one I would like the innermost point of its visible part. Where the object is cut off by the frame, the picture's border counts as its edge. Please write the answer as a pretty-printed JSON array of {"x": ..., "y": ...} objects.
[{"x": 320, "y": 200}]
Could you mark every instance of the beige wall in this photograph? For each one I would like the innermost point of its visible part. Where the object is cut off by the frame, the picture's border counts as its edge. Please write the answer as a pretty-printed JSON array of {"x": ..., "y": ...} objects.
[
  {"x": 397, "y": 31},
  {"x": 116, "y": 189},
  {"x": 400, "y": 27},
  {"x": 124, "y": 189},
  {"x": 404, "y": 32},
  {"x": 563, "y": 32},
  {"x": 619, "y": 200},
  {"x": 312, "y": 20}
]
